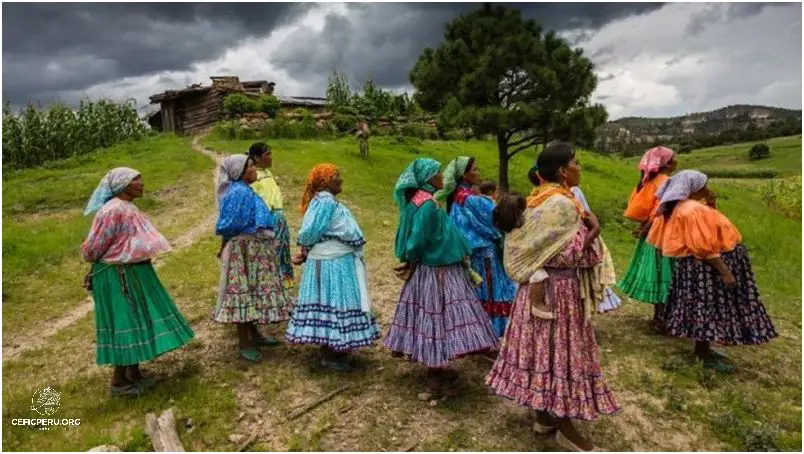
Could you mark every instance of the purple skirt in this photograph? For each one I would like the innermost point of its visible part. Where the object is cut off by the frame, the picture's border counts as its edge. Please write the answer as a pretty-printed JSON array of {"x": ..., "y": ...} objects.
[{"x": 439, "y": 318}]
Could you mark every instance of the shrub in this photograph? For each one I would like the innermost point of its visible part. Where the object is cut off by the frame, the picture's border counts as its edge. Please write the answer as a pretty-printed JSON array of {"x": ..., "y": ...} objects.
[
  {"x": 430, "y": 133},
  {"x": 685, "y": 148},
  {"x": 759, "y": 151},
  {"x": 238, "y": 104},
  {"x": 268, "y": 104},
  {"x": 344, "y": 122},
  {"x": 412, "y": 130}
]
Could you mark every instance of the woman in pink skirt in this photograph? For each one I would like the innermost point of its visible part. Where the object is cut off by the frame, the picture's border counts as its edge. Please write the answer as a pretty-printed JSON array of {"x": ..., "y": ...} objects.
[{"x": 549, "y": 357}]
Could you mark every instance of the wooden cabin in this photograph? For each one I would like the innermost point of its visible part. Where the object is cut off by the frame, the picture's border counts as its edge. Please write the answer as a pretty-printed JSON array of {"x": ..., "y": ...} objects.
[{"x": 196, "y": 108}]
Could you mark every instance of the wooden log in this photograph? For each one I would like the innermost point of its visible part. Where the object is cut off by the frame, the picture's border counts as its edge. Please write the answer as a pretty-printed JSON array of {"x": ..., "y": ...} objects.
[
  {"x": 162, "y": 431},
  {"x": 317, "y": 402}
]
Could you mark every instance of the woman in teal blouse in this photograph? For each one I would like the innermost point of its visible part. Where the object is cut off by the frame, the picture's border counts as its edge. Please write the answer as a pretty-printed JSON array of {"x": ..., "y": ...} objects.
[{"x": 438, "y": 317}]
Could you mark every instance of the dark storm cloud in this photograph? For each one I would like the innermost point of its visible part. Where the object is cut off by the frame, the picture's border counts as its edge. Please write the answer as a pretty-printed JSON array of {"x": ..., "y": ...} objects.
[
  {"x": 51, "y": 47},
  {"x": 722, "y": 12},
  {"x": 383, "y": 41}
]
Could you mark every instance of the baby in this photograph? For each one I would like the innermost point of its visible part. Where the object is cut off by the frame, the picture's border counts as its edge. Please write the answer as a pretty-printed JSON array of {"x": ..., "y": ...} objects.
[{"x": 488, "y": 189}]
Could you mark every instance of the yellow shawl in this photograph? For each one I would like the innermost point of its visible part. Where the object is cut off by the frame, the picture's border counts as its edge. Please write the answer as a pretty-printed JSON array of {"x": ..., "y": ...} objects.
[{"x": 267, "y": 188}]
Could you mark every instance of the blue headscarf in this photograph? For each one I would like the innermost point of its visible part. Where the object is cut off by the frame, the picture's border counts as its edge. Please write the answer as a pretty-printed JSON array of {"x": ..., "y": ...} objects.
[{"x": 113, "y": 183}]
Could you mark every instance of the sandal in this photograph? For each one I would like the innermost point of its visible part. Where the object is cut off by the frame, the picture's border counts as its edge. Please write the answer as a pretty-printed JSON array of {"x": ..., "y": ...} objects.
[
  {"x": 718, "y": 366},
  {"x": 146, "y": 383},
  {"x": 567, "y": 444},
  {"x": 249, "y": 354},
  {"x": 336, "y": 365},
  {"x": 542, "y": 429},
  {"x": 265, "y": 341},
  {"x": 131, "y": 389}
]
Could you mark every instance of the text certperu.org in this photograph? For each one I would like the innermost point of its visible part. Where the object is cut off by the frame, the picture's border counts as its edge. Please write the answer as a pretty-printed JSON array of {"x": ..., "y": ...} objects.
[{"x": 45, "y": 422}]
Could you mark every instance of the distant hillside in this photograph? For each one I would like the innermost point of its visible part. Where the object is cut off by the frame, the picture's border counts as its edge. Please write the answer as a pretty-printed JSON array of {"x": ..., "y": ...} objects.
[{"x": 727, "y": 125}]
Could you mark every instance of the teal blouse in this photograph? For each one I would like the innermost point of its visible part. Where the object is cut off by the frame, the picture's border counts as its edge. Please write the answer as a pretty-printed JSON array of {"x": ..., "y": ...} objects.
[{"x": 426, "y": 235}]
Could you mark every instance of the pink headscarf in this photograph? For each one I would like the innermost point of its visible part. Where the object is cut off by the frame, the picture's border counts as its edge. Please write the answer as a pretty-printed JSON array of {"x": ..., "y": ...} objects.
[{"x": 653, "y": 160}]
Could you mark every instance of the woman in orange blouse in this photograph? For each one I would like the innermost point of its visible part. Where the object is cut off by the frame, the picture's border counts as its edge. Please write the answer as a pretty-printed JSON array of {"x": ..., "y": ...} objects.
[
  {"x": 649, "y": 273},
  {"x": 713, "y": 297}
]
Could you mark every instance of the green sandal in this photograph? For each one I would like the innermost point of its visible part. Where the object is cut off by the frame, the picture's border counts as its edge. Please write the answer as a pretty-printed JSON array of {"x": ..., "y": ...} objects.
[
  {"x": 249, "y": 354},
  {"x": 126, "y": 390},
  {"x": 265, "y": 341},
  {"x": 719, "y": 366},
  {"x": 146, "y": 383}
]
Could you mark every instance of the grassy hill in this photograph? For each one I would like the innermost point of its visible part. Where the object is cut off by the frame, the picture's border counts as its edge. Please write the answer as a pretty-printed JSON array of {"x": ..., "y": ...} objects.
[{"x": 668, "y": 403}]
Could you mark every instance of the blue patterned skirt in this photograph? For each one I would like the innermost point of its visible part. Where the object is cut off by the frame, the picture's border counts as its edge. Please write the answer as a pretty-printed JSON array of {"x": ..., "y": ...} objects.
[
  {"x": 498, "y": 291},
  {"x": 439, "y": 318},
  {"x": 328, "y": 309}
]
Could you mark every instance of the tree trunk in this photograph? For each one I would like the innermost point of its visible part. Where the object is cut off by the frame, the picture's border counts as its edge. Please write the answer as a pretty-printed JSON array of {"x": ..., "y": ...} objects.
[
  {"x": 502, "y": 150},
  {"x": 545, "y": 137}
]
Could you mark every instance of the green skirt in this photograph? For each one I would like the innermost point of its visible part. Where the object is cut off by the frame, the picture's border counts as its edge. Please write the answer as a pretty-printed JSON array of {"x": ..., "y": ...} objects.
[
  {"x": 135, "y": 318},
  {"x": 649, "y": 275}
]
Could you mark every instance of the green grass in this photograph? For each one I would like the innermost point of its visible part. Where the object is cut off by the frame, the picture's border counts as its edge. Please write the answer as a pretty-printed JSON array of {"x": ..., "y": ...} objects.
[
  {"x": 785, "y": 158},
  {"x": 668, "y": 403},
  {"x": 44, "y": 224}
]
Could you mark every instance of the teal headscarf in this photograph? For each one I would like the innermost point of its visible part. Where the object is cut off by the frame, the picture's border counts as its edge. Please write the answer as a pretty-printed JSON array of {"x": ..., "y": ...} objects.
[
  {"x": 416, "y": 176},
  {"x": 452, "y": 176}
]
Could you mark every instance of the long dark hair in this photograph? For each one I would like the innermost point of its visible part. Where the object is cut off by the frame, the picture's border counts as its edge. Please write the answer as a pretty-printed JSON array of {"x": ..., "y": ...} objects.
[
  {"x": 451, "y": 197},
  {"x": 666, "y": 209},
  {"x": 556, "y": 154},
  {"x": 642, "y": 178},
  {"x": 508, "y": 212}
]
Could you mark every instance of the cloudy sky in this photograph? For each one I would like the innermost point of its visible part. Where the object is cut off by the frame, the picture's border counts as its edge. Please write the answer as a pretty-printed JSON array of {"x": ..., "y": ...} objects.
[{"x": 651, "y": 59}]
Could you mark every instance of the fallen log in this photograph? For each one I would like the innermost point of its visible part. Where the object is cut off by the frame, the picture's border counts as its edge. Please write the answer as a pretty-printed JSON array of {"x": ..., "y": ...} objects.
[
  {"x": 162, "y": 431},
  {"x": 316, "y": 402}
]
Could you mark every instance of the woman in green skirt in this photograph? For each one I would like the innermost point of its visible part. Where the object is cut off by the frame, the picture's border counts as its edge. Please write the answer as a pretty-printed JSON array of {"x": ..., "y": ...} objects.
[
  {"x": 649, "y": 274},
  {"x": 135, "y": 318}
]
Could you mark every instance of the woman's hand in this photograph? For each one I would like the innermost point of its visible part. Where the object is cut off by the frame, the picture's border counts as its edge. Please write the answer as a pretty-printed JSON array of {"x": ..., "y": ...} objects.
[
  {"x": 728, "y": 279},
  {"x": 404, "y": 271},
  {"x": 642, "y": 230},
  {"x": 88, "y": 280},
  {"x": 299, "y": 258},
  {"x": 593, "y": 224}
]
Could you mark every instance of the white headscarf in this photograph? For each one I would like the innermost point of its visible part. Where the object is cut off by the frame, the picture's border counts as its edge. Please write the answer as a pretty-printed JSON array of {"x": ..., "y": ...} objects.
[
  {"x": 112, "y": 184},
  {"x": 232, "y": 170},
  {"x": 681, "y": 185}
]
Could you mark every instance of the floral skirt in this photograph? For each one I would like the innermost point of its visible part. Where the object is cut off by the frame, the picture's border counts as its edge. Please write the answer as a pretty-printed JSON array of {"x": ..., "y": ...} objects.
[
  {"x": 250, "y": 286},
  {"x": 328, "y": 311},
  {"x": 439, "y": 318},
  {"x": 283, "y": 249},
  {"x": 701, "y": 308},
  {"x": 135, "y": 318},
  {"x": 552, "y": 365},
  {"x": 649, "y": 275},
  {"x": 497, "y": 292}
]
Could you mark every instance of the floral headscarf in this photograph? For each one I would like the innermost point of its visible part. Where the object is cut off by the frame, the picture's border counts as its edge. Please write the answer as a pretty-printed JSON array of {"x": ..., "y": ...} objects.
[
  {"x": 453, "y": 174},
  {"x": 319, "y": 177},
  {"x": 416, "y": 176},
  {"x": 112, "y": 184},
  {"x": 681, "y": 185},
  {"x": 231, "y": 170},
  {"x": 653, "y": 160}
]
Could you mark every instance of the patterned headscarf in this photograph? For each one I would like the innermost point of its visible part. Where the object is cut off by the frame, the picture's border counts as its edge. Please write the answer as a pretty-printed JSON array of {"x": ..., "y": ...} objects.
[
  {"x": 231, "y": 170},
  {"x": 112, "y": 184},
  {"x": 416, "y": 176},
  {"x": 319, "y": 178},
  {"x": 681, "y": 185},
  {"x": 453, "y": 174},
  {"x": 653, "y": 160}
]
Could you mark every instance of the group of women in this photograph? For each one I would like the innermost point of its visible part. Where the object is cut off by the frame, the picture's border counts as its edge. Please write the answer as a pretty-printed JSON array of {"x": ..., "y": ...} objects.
[{"x": 517, "y": 276}]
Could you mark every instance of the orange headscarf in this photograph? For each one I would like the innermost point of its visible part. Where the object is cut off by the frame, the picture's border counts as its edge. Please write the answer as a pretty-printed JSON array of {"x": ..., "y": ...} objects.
[{"x": 319, "y": 178}]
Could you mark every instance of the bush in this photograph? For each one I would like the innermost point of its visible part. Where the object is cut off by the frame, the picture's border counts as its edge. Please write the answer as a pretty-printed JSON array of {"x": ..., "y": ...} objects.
[
  {"x": 268, "y": 104},
  {"x": 685, "y": 148},
  {"x": 344, "y": 122},
  {"x": 759, "y": 151},
  {"x": 412, "y": 130},
  {"x": 430, "y": 133},
  {"x": 238, "y": 104}
]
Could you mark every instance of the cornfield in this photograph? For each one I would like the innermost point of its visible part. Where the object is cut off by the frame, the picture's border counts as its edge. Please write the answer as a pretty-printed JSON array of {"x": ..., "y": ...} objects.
[
  {"x": 35, "y": 136},
  {"x": 785, "y": 193}
]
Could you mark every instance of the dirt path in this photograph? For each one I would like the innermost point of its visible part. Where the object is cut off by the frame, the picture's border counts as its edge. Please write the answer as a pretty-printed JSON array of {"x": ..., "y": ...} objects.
[{"x": 21, "y": 343}]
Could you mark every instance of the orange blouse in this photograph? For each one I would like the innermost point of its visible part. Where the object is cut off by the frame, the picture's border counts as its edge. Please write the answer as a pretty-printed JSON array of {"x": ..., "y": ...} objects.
[
  {"x": 694, "y": 229},
  {"x": 642, "y": 204}
]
